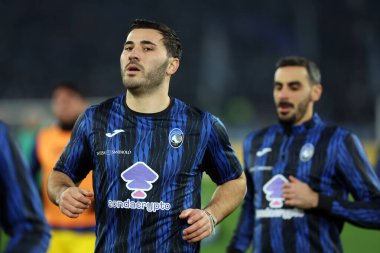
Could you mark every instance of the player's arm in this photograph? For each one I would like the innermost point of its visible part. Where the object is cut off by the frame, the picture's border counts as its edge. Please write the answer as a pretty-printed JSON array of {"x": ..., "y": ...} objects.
[
  {"x": 357, "y": 175},
  {"x": 221, "y": 163},
  {"x": 225, "y": 199},
  {"x": 21, "y": 213},
  {"x": 62, "y": 191}
]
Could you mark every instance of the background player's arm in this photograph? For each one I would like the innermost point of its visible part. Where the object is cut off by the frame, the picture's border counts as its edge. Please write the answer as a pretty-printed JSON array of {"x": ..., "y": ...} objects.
[
  {"x": 358, "y": 177},
  {"x": 62, "y": 191},
  {"x": 21, "y": 213}
]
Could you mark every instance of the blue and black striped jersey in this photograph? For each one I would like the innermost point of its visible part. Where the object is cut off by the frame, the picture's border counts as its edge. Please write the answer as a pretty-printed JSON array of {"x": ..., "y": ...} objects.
[
  {"x": 147, "y": 168},
  {"x": 21, "y": 214},
  {"x": 332, "y": 162}
]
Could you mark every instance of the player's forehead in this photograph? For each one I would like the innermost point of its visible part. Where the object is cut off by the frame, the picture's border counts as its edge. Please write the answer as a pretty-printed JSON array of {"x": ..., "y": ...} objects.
[
  {"x": 140, "y": 35},
  {"x": 290, "y": 74}
]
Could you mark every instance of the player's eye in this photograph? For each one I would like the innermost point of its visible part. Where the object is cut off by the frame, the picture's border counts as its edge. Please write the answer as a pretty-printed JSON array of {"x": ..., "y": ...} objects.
[{"x": 147, "y": 49}]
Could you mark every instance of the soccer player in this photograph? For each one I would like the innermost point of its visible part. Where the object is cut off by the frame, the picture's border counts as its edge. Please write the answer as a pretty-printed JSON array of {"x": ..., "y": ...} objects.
[
  {"x": 21, "y": 214},
  {"x": 148, "y": 151},
  {"x": 67, "y": 104},
  {"x": 300, "y": 173}
]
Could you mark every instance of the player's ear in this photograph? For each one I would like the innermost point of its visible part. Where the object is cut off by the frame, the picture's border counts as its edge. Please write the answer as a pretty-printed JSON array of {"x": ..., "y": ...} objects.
[
  {"x": 316, "y": 92},
  {"x": 172, "y": 66}
]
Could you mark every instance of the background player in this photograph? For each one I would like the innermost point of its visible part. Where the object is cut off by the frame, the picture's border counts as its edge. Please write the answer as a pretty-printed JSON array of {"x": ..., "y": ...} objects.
[
  {"x": 21, "y": 214},
  {"x": 67, "y": 104},
  {"x": 300, "y": 172}
]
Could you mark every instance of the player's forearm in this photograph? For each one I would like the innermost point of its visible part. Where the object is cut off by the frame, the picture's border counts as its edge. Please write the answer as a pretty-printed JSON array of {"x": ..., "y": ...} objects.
[
  {"x": 58, "y": 182},
  {"x": 227, "y": 198}
]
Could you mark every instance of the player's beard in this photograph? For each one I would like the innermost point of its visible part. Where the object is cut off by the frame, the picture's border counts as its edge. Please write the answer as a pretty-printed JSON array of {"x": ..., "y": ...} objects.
[
  {"x": 299, "y": 112},
  {"x": 149, "y": 81}
]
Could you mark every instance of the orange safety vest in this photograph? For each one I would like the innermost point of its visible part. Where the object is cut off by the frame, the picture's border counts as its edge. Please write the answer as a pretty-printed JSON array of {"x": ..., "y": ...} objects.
[{"x": 50, "y": 144}]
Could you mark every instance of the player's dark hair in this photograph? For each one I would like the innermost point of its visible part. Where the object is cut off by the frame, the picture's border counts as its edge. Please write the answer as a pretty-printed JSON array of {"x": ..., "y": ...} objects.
[
  {"x": 68, "y": 86},
  {"x": 312, "y": 68},
  {"x": 171, "y": 40}
]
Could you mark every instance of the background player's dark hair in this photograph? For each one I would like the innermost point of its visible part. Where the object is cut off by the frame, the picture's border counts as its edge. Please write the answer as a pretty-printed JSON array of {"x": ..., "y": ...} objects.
[
  {"x": 69, "y": 86},
  {"x": 171, "y": 40},
  {"x": 311, "y": 67}
]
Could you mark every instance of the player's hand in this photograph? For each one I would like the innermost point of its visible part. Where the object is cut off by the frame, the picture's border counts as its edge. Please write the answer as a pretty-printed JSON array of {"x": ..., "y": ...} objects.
[
  {"x": 200, "y": 225},
  {"x": 298, "y": 194},
  {"x": 73, "y": 201}
]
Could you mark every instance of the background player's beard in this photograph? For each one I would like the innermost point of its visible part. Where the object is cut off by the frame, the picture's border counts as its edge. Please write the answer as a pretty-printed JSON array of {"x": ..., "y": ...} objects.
[
  {"x": 297, "y": 114},
  {"x": 150, "y": 81}
]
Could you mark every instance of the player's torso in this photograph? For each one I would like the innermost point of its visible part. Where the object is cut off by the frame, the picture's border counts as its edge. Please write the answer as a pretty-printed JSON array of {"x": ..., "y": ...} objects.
[
  {"x": 273, "y": 157},
  {"x": 146, "y": 172}
]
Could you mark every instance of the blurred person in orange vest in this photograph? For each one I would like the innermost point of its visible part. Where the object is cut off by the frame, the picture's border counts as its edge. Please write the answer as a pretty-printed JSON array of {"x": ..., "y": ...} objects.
[{"x": 67, "y": 103}]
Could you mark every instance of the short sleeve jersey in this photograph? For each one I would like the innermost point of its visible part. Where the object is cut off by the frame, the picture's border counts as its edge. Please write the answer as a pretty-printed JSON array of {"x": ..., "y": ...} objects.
[{"x": 147, "y": 169}]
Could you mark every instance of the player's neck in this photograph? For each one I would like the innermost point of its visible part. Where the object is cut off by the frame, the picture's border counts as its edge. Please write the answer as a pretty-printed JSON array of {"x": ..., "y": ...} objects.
[{"x": 148, "y": 103}]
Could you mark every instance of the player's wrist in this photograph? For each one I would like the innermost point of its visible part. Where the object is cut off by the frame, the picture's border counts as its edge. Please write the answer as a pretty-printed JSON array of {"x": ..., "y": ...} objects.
[
  {"x": 59, "y": 195},
  {"x": 212, "y": 220}
]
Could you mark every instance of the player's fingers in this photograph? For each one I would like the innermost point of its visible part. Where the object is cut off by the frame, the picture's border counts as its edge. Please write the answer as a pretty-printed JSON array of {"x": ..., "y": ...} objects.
[
  {"x": 185, "y": 213},
  {"x": 294, "y": 179},
  {"x": 195, "y": 231},
  {"x": 87, "y": 193},
  {"x": 73, "y": 208},
  {"x": 196, "y": 226},
  {"x": 200, "y": 237},
  {"x": 195, "y": 216},
  {"x": 79, "y": 197},
  {"x": 68, "y": 213}
]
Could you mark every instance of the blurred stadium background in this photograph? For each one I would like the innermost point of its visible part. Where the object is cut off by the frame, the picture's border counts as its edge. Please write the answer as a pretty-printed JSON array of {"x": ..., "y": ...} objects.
[{"x": 227, "y": 67}]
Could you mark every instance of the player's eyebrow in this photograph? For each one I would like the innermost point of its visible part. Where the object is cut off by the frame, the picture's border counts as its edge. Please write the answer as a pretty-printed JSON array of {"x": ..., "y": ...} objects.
[
  {"x": 143, "y": 42},
  {"x": 147, "y": 42},
  {"x": 294, "y": 83}
]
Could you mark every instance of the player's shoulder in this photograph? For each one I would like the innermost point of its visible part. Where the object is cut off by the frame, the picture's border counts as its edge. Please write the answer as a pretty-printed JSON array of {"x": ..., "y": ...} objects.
[
  {"x": 333, "y": 129},
  {"x": 105, "y": 105},
  {"x": 257, "y": 133},
  {"x": 190, "y": 109}
]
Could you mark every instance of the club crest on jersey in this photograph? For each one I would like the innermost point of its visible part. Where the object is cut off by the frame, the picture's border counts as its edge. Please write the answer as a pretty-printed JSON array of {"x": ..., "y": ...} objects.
[
  {"x": 176, "y": 137},
  {"x": 273, "y": 191},
  {"x": 139, "y": 178},
  {"x": 307, "y": 152}
]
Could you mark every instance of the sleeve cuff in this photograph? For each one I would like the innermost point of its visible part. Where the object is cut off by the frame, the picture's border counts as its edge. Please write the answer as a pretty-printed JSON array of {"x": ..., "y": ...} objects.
[{"x": 324, "y": 203}]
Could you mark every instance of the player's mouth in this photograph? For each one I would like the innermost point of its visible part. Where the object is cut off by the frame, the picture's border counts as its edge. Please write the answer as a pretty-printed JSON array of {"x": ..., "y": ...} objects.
[
  {"x": 284, "y": 107},
  {"x": 132, "y": 69}
]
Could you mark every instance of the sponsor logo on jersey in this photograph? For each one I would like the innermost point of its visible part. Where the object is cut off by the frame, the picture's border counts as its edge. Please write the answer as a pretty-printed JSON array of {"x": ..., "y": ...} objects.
[
  {"x": 115, "y": 132},
  {"x": 273, "y": 191},
  {"x": 176, "y": 137},
  {"x": 139, "y": 178},
  {"x": 263, "y": 152},
  {"x": 307, "y": 152},
  {"x": 113, "y": 152}
]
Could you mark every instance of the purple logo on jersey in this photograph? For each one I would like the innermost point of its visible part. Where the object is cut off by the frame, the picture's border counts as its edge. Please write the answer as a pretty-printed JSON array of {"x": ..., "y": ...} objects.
[
  {"x": 139, "y": 178},
  {"x": 273, "y": 191}
]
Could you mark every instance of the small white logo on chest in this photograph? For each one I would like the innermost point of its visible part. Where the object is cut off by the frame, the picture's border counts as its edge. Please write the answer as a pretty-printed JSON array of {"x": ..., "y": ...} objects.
[
  {"x": 263, "y": 152},
  {"x": 115, "y": 132}
]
